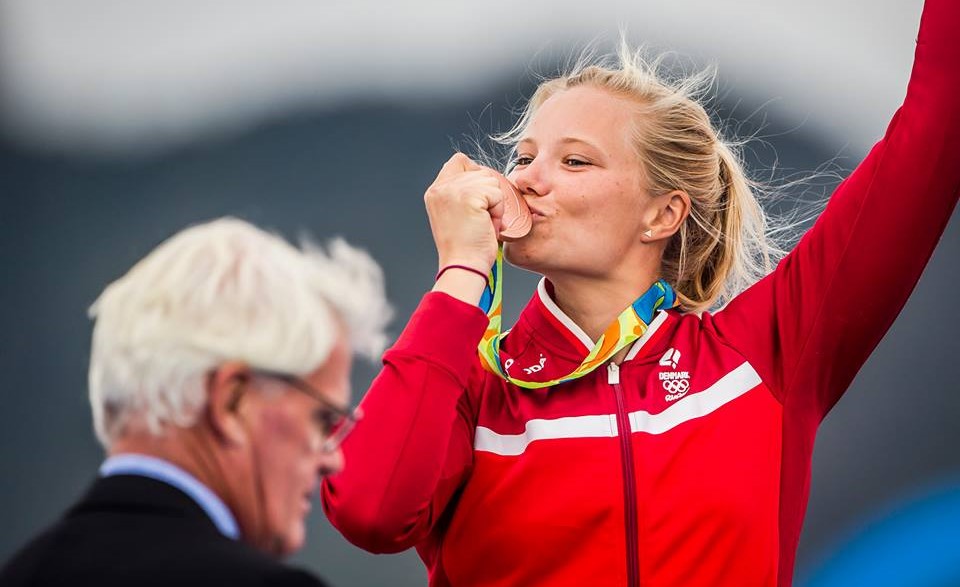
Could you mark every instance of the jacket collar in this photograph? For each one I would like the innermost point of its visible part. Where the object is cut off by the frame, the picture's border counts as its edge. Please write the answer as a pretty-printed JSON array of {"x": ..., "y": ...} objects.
[
  {"x": 167, "y": 472},
  {"x": 140, "y": 495},
  {"x": 546, "y": 344}
]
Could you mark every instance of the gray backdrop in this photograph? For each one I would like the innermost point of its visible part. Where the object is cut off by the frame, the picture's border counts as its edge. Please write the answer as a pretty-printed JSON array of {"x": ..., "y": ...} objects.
[{"x": 71, "y": 222}]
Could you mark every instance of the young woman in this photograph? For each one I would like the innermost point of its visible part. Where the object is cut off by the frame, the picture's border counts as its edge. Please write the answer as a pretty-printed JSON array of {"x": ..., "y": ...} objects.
[{"x": 621, "y": 434}]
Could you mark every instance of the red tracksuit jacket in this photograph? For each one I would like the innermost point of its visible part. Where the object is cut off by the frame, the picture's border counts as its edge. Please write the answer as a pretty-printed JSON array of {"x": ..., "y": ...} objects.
[{"x": 689, "y": 464}]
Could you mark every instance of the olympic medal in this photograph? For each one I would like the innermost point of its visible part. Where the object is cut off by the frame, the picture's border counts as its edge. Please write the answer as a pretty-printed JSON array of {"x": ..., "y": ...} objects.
[{"x": 516, "y": 221}]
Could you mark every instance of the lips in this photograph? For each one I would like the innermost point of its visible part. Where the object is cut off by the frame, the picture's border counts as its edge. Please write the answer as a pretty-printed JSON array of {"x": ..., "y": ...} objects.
[
  {"x": 307, "y": 502},
  {"x": 309, "y": 495},
  {"x": 535, "y": 209}
]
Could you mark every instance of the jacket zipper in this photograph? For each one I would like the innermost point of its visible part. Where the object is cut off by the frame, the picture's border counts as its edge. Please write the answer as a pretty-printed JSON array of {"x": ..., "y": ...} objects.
[{"x": 629, "y": 480}]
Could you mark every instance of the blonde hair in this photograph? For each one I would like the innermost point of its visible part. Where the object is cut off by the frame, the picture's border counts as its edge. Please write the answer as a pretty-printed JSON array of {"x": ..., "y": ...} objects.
[
  {"x": 724, "y": 245},
  {"x": 220, "y": 291}
]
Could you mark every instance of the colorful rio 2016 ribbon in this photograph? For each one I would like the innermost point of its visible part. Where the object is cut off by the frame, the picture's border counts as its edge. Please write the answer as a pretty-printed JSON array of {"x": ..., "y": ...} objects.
[{"x": 628, "y": 327}]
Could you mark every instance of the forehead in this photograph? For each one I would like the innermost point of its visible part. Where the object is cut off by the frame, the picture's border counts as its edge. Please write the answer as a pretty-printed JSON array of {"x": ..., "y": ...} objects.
[{"x": 583, "y": 112}]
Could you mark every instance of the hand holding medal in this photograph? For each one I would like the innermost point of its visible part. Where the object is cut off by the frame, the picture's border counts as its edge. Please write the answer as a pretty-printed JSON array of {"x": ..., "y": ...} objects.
[{"x": 472, "y": 209}]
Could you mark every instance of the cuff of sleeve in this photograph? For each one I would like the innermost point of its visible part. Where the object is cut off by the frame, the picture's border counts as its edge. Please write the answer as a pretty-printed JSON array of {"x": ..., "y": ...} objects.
[{"x": 445, "y": 331}]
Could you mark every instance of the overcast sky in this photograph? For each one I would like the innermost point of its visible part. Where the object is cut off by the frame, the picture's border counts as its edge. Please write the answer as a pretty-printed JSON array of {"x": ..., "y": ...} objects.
[{"x": 113, "y": 74}]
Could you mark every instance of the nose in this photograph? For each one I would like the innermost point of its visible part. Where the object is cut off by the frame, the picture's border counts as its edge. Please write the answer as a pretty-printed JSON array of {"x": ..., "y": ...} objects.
[
  {"x": 330, "y": 463},
  {"x": 530, "y": 179}
]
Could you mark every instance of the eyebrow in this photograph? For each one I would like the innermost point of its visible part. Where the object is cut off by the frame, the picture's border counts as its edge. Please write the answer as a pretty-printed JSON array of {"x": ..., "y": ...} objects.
[{"x": 563, "y": 141}]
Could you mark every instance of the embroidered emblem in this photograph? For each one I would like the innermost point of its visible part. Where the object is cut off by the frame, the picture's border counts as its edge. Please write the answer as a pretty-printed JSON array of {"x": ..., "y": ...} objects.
[
  {"x": 670, "y": 358},
  {"x": 675, "y": 383}
]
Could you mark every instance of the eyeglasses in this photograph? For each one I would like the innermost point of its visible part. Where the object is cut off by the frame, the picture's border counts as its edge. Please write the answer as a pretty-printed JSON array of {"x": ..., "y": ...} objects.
[{"x": 335, "y": 422}]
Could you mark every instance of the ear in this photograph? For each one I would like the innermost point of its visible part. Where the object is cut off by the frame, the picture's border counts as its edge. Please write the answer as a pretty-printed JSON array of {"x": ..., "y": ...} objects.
[
  {"x": 667, "y": 214},
  {"x": 225, "y": 388}
]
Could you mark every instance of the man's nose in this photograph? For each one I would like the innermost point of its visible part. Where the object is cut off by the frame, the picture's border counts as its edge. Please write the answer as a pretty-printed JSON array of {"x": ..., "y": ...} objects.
[{"x": 330, "y": 463}]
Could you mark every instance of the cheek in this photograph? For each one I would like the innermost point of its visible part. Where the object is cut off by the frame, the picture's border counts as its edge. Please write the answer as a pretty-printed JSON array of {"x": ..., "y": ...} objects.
[
  {"x": 285, "y": 468},
  {"x": 579, "y": 199},
  {"x": 279, "y": 429},
  {"x": 620, "y": 206},
  {"x": 588, "y": 205}
]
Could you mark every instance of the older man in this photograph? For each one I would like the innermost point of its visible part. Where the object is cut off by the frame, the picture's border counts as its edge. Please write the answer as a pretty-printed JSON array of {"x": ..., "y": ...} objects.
[{"x": 219, "y": 382}]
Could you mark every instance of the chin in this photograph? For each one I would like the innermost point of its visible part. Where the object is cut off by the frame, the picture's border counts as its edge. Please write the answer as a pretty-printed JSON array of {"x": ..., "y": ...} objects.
[
  {"x": 522, "y": 255},
  {"x": 292, "y": 541}
]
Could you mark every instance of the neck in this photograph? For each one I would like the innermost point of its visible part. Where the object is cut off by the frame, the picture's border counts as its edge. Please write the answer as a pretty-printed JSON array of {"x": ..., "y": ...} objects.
[
  {"x": 594, "y": 303},
  {"x": 163, "y": 447},
  {"x": 195, "y": 453}
]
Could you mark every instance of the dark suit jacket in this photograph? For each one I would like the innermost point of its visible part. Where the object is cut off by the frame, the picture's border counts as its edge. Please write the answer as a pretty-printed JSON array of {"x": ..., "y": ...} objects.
[{"x": 130, "y": 530}]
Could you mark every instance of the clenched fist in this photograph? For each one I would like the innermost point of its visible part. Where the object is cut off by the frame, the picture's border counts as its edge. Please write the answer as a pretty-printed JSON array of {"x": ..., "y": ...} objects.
[{"x": 466, "y": 205}]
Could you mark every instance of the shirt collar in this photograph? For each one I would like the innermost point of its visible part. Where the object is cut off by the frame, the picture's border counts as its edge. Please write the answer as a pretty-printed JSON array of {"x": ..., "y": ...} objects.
[{"x": 167, "y": 472}]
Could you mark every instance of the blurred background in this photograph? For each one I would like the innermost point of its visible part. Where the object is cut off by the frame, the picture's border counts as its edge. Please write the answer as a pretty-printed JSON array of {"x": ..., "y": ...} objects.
[{"x": 121, "y": 122}]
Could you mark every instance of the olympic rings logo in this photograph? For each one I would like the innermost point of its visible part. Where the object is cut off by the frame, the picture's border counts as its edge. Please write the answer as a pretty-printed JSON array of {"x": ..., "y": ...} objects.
[{"x": 676, "y": 386}]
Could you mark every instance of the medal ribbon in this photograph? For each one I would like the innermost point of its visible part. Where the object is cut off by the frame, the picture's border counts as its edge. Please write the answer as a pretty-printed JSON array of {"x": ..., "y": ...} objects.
[{"x": 630, "y": 325}]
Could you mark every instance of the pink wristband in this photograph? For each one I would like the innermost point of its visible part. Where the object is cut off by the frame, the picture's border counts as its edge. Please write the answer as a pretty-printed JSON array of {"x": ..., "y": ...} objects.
[{"x": 465, "y": 268}]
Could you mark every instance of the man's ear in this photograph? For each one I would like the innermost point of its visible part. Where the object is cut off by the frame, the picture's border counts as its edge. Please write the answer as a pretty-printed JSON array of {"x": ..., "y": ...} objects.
[
  {"x": 668, "y": 214},
  {"x": 225, "y": 389}
]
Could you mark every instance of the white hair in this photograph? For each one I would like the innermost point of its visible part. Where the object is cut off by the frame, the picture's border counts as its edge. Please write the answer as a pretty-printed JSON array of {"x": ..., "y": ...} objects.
[{"x": 221, "y": 291}]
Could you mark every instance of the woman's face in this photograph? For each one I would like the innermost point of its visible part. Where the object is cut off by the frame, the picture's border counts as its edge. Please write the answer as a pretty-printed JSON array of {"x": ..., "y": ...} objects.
[{"x": 580, "y": 174}]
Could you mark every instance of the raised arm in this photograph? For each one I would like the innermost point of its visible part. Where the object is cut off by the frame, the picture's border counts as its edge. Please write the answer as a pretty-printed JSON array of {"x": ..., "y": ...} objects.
[
  {"x": 809, "y": 327},
  {"x": 414, "y": 444}
]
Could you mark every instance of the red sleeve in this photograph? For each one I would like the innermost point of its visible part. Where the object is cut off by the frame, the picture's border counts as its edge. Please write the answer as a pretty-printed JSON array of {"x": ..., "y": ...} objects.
[
  {"x": 411, "y": 450},
  {"x": 809, "y": 326}
]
